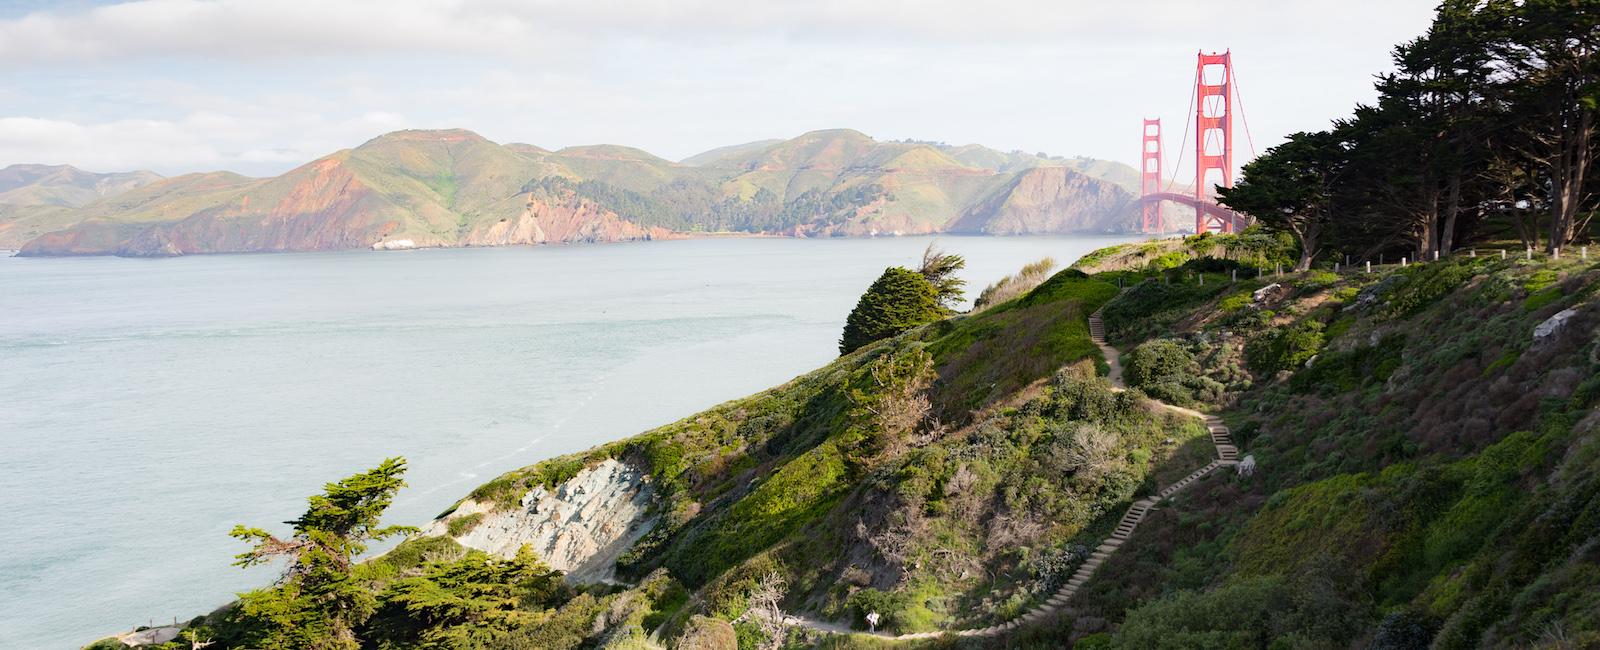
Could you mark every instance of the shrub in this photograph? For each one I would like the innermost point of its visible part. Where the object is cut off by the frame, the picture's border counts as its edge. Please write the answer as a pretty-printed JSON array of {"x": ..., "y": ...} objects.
[
  {"x": 1158, "y": 360},
  {"x": 1285, "y": 349},
  {"x": 897, "y": 301},
  {"x": 462, "y": 525},
  {"x": 1168, "y": 261},
  {"x": 1423, "y": 285},
  {"x": 704, "y": 633},
  {"x": 888, "y": 605}
]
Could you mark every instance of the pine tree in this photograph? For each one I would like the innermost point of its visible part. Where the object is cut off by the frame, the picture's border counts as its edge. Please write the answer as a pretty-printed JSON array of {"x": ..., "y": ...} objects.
[{"x": 317, "y": 603}]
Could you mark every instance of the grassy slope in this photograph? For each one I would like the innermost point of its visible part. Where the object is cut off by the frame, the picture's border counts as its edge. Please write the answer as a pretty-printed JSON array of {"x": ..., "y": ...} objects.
[
  {"x": 961, "y": 523},
  {"x": 1434, "y": 468}
]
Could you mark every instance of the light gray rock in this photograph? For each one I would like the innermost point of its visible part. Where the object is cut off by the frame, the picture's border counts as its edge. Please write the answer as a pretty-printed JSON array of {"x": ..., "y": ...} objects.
[
  {"x": 1554, "y": 323},
  {"x": 581, "y": 527},
  {"x": 1265, "y": 292}
]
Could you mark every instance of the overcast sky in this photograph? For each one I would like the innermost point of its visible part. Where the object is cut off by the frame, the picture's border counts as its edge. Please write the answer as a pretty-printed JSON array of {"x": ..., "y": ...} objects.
[{"x": 261, "y": 86}]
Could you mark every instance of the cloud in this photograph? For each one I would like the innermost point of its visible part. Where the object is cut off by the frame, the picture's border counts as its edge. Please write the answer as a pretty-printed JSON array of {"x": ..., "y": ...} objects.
[
  {"x": 259, "y": 86},
  {"x": 199, "y": 141},
  {"x": 263, "y": 30}
]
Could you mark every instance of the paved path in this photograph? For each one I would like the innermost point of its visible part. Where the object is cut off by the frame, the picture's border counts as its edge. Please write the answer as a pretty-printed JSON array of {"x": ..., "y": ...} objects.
[{"x": 1227, "y": 456}]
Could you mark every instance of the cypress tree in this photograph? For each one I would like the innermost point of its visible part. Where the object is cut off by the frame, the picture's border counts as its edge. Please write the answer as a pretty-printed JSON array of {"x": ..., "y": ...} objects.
[{"x": 897, "y": 301}]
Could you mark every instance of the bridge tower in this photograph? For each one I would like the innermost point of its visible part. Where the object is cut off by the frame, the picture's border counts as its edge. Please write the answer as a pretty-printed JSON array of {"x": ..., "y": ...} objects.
[
  {"x": 1150, "y": 175},
  {"x": 1213, "y": 101}
]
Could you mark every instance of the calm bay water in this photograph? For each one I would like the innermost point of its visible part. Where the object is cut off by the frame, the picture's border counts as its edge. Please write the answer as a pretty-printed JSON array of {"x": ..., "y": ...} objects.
[{"x": 147, "y": 406}]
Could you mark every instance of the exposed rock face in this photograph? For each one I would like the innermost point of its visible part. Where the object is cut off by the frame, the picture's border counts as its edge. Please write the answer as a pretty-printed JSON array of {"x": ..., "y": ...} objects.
[
  {"x": 543, "y": 221},
  {"x": 581, "y": 527}
]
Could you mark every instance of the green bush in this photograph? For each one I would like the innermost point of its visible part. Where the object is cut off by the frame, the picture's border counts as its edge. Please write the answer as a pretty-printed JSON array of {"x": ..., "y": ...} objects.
[
  {"x": 1425, "y": 284},
  {"x": 1158, "y": 360},
  {"x": 1338, "y": 372},
  {"x": 462, "y": 525},
  {"x": 897, "y": 301},
  {"x": 1285, "y": 349},
  {"x": 1171, "y": 260},
  {"x": 888, "y": 605}
]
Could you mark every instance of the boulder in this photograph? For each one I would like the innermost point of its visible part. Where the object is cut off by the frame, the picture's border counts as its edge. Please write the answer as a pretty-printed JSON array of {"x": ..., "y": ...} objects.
[{"x": 1554, "y": 323}]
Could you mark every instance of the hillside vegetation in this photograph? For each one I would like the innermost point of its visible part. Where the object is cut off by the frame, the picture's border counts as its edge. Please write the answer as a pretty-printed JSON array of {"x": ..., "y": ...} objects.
[{"x": 1425, "y": 442}]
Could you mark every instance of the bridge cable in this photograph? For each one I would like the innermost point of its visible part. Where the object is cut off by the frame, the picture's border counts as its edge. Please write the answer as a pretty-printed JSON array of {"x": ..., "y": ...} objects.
[
  {"x": 1238, "y": 94},
  {"x": 1183, "y": 145}
]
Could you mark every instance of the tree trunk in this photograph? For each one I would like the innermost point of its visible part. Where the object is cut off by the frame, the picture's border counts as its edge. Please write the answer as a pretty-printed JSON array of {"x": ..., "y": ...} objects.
[
  {"x": 1452, "y": 206},
  {"x": 1567, "y": 177}
]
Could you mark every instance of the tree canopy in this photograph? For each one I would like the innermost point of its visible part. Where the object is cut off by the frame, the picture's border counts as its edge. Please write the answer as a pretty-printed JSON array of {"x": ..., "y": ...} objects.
[
  {"x": 1486, "y": 129},
  {"x": 897, "y": 301},
  {"x": 317, "y": 602}
]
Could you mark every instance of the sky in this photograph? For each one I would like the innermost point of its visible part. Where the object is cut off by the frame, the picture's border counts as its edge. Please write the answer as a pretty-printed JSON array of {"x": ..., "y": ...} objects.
[{"x": 259, "y": 87}]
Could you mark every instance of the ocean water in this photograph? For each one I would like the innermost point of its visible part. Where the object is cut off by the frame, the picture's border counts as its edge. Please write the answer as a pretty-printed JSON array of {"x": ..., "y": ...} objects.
[{"x": 148, "y": 406}]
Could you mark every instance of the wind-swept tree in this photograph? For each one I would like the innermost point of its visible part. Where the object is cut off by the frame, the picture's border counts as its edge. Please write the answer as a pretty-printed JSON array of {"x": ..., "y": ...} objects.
[
  {"x": 1290, "y": 187},
  {"x": 897, "y": 301},
  {"x": 317, "y": 603},
  {"x": 939, "y": 268}
]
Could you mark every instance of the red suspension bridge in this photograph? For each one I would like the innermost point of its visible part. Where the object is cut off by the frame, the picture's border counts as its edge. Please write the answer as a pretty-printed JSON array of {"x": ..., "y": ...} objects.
[{"x": 1213, "y": 103}]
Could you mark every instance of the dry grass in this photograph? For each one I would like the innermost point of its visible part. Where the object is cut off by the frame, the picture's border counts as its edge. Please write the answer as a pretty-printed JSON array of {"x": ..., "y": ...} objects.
[{"x": 1011, "y": 286}]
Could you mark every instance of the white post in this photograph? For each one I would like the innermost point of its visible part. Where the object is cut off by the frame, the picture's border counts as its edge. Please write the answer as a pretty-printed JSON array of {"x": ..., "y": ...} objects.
[
  {"x": 1402, "y": 262},
  {"x": 1235, "y": 277},
  {"x": 1474, "y": 252},
  {"x": 1335, "y": 267},
  {"x": 1436, "y": 256},
  {"x": 1369, "y": 266},
  {"x": 1502, "y": 253},
  {"x": 1555, "y": 253},
  {"x": 1530, "y": 252}
]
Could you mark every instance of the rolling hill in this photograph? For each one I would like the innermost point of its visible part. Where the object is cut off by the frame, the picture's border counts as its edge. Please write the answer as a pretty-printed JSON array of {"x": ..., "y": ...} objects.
[
  {"x": 35, "y": 199},
  {"x": 441, "y": 188}
]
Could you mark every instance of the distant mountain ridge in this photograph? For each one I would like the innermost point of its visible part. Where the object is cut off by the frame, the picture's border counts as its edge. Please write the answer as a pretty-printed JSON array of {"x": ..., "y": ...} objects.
[{"x": 439, "y": 188}]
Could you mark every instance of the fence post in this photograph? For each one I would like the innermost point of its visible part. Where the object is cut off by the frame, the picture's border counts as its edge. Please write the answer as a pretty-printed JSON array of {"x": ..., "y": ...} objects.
[
  {"x": 1502, "y": 253},
  {"x": 1402, "y": 262},
  {"x": 1369, "y": 266},
  {"x": 1436, "y": 256},
  {"x": 1555, "y": 253},
  {"x": 1335, "y": 267},
  {"x": 1474, "y": 252},
  {"x": 1235, "y": 277},
  {"x": 1530, "y": 252}
]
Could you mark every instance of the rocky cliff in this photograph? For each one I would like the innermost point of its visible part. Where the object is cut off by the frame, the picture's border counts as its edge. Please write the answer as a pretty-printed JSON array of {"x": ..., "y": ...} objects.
[{"x": 579, "y": 527}]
